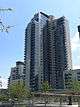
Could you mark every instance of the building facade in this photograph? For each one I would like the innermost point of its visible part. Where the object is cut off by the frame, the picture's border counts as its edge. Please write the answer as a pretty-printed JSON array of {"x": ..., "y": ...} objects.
[
  {"x": 34, "y": 51},
  {"x": 57, "y": 51},
  {"x": 17, "y": 73},
  {"x": 70, "y": 76},
  {"x": 47, "y": 51}
]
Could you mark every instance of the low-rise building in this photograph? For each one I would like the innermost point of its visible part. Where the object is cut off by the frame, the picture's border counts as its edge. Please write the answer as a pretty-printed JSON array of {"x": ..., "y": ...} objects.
[
  {"x": 77, "y": 74},
  {"x": 17, "y": 73},
  {"x": 69, "y": 76}
]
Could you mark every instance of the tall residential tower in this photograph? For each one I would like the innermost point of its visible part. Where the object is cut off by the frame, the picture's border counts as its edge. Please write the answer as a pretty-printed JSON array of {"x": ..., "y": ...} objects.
[{"x": 47, "y": 51}]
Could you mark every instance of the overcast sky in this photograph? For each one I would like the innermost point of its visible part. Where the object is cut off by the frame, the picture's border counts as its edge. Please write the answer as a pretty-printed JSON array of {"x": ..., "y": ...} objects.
[{"x": 12, "y": 44}]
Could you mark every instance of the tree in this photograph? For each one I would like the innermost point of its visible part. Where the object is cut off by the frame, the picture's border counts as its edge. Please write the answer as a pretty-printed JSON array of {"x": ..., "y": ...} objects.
[
  {"x": 3, "y": 26},
  {"x": 76, "y": 89},
  {"x": 76, "y": 86},
  {"x": 3, "y": 97},
  {"x": 18, "y": 91},
  {"x": 45, "y": 88}
]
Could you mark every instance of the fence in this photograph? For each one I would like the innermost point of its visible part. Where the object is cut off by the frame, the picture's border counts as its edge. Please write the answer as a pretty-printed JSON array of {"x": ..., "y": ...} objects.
[{"x": 47, "y": 100}]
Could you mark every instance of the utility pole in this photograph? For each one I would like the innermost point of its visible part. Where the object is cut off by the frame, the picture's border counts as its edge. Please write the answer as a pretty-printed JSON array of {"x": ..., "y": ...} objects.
[{"x": 3, "y": 27}]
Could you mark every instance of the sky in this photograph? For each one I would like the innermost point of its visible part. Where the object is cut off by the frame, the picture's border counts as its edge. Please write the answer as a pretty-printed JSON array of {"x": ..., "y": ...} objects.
[{"x": 12, "y": 43}]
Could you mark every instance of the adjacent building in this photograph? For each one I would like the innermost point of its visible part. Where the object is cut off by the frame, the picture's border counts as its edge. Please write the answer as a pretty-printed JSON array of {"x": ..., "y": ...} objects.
[
  {"x": 56, "y": 51},
  {"x": 47, "y": 51},
  {"x": 17, "y": 73},
  {"x": 70, "y": 76}
]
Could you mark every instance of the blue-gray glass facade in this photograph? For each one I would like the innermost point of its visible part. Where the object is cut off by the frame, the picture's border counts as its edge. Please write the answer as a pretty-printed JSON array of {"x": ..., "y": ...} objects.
[
  {"x": 57, "y": 51},
  {"x": 47, "y": 51},
  {"x": 34, "y": 51}
]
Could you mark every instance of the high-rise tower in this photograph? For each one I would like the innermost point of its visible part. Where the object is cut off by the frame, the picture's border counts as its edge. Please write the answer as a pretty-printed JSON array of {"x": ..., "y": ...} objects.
[
  {"x": 47, "y": 51},
  {"x": 57, "y": 51},
  {"x": 34, "y": 50}
]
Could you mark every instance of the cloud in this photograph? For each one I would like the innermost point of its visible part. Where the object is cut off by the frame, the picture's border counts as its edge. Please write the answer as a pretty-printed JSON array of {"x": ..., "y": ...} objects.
[
  {"x": 76, "y": 66},
  {"x": 75, "y": 42},
  {"x": 75, "y": 46}
]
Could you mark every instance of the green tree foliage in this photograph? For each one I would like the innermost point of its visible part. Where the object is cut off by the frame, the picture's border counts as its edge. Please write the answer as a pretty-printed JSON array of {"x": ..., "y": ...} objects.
[
  {"x": 4, "y": 97},
  {"x": 76, "y": 86},
  {"x": 45, "y": 86},
  {"x": 18, "y": 91}
]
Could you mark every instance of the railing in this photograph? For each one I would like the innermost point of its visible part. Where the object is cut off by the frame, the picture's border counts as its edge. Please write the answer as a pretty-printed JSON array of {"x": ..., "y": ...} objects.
[{"x": 46, "y": 100}]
